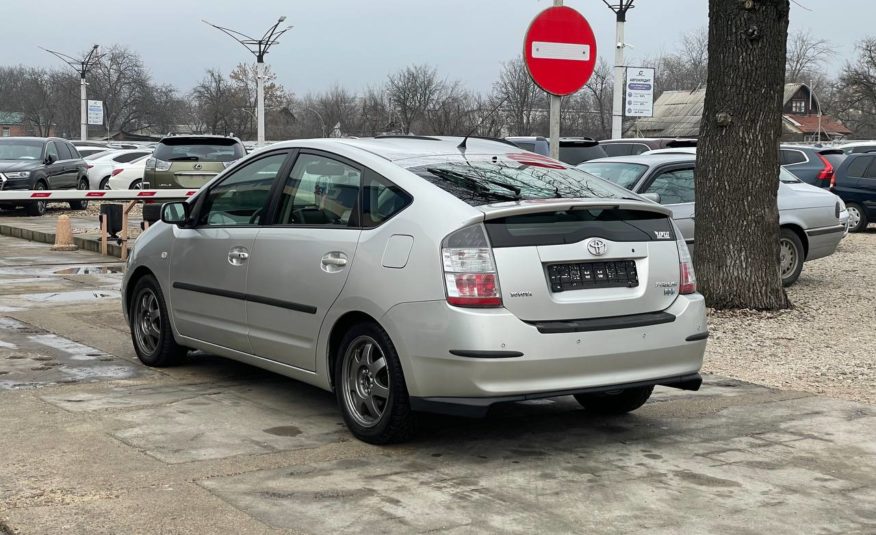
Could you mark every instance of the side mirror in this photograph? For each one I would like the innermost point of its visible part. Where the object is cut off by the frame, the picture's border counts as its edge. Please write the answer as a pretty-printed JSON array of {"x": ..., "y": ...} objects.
[
  {"x": 653, "y": 197},
  {"x": 50, "y": 159},
  {"x": 175, "y": 213}
]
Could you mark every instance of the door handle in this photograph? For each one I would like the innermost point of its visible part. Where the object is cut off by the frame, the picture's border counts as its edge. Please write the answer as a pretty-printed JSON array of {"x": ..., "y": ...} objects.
[
  {"x": 333, "y": 262},
  {"x": 237, "y": 256}
]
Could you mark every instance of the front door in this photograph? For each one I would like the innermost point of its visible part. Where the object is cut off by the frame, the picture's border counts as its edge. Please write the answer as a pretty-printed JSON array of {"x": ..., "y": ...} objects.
[
  {"x": 210, "y": 260},
  {"x": 300, "y": 264},
  {"x": 676, "y": 189}
]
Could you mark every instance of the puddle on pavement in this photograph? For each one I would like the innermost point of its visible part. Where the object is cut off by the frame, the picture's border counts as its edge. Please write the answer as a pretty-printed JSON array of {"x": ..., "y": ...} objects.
[
  {"x": 71, "y": 297},
  {"x": 41, "y": 270}
]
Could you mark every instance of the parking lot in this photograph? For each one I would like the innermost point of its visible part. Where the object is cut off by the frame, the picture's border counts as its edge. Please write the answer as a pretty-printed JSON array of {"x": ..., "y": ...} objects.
[{"x": 95, "y": 442}]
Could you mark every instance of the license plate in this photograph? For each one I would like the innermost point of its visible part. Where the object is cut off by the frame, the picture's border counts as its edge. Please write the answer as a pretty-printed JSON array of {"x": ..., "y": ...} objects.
[{"x": 586, "y": 275}]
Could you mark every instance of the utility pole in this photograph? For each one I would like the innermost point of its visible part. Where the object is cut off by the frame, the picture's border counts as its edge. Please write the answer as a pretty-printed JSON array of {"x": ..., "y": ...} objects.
[
  {"x": 83, "y": 66},
  {"x": 554, "y": 120},
  {"x": 258, "y": 47},
  {"x": 617, "y": 117}
]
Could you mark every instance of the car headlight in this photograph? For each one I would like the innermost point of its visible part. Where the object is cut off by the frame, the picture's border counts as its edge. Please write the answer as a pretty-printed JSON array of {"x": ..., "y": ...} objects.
[{"x": 18, "y": 174}]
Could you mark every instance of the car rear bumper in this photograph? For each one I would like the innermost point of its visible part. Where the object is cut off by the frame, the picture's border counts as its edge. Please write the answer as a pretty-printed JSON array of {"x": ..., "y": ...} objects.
[
  {"x": 451, "y": 355},
  {"x": 824, "y": 241}
]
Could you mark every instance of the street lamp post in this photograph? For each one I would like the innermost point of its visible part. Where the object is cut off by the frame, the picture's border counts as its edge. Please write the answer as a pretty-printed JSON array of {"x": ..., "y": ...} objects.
[
  {"x": 617, "y": 117},
  {"x": 83, "y": 66},
  {"x": 258, "y": 47}
]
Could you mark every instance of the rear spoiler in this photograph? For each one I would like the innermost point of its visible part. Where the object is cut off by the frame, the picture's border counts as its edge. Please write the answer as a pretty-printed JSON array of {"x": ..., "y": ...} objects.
[{"x": 505, "y": 209}]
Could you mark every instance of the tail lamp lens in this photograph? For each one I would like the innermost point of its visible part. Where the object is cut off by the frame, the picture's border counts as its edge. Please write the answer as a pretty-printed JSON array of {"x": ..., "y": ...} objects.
[
  {"x": 469, "y": 269},
  {"x": 688, "y": 279}
]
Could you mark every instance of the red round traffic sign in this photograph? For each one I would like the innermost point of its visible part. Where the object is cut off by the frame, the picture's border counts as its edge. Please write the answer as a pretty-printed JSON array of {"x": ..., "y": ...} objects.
[{"x": 560, "y": 50}]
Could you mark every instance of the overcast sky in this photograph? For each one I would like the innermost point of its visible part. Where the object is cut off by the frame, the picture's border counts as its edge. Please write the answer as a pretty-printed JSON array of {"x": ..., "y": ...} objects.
[{"x": 356, "y": 43}]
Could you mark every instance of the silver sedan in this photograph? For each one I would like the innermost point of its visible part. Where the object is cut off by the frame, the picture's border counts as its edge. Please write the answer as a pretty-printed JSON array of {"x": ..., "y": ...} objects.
[{"x": 810, "y": 217}]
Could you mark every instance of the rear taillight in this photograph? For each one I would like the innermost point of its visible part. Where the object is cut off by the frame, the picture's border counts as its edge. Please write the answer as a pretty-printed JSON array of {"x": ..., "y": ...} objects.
[
  {"x": 470, "y": 278},
  {"x": 89, "y": 166},
  {"x": 117, "y": 171},
  {"x": 688, "y": 280},
  {"x": 827, "y": 173}
]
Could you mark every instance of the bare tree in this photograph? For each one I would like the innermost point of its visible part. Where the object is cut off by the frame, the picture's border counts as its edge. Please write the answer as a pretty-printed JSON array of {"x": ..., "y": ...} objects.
[
  {"x": 737, "y": 230},
  {"x": 121, "y": 80},
  {"x": 522, "y": 97},
  {"x": 807, "y": 56},
  {"x": 216, "y": 101},
  {"x": 412, "y": 91},
  {"x": 855, "y": 96}
]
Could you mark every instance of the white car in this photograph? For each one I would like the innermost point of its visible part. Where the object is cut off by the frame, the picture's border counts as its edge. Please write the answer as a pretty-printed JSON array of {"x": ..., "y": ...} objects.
[
  {"x": 128, "y": 175},
  {"x": 101, "y": 165}
]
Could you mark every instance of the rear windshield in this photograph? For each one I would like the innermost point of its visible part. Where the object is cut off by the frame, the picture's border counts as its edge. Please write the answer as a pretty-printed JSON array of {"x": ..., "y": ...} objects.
[
  {"x": 623, "y": 174},
  {"x": 199, "y": 150},
  {"x": 511, "y": 177},
  {"x": 575, "y": 154}
]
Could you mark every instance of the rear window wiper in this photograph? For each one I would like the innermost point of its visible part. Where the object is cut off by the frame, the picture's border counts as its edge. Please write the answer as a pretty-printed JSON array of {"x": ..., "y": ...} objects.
[
  {"x": 455, "y": 178},
  {"x": 183, "y": 159}
]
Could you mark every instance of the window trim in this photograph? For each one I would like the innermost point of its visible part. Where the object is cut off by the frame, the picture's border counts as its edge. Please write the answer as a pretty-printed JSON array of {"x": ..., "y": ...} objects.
[
  {"x": 202, "y": 196},
  {"x": 646, "y": 183},
  {"x": 805, "y": 156}
]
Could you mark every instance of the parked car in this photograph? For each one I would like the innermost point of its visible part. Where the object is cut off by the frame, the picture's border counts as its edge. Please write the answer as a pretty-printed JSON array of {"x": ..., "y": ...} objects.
[
  {"x": 409, "y": 274},
  {"x": 190, "y": 161},
  {"x": 575, "y": 150},
  {"x": 101, "y": 165},
  {"x": 676, "y": 150},
  {"x": 809, "y": 216},
  {"x": 858, "y": 147},
  {"x": 536, "y": 144},
  {"x": 128, "y": 175},
  {"x": 633, "y": 146},
  {"x": 35, "y": 163},
  {"x": 813, "y": 165},
  {"x": 85, "y": 152},
  {"x": 856, "y": 186}
]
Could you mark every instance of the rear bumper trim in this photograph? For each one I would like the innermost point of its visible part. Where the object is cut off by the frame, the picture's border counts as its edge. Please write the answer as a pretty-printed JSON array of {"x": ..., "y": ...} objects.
[
  {"x": 603, "y": 324},
  {"x": 825, "y": 230},
  {"x": 470, "y": 353},
  {"x": 478, "y": 407},
  {"x": 697, "y": 337}
]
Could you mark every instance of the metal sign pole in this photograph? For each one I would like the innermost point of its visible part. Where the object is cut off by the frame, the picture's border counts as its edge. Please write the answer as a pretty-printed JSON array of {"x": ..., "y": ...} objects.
[
  {"x": 556, "y": 101},
  {"x": 83, "y": 109}
]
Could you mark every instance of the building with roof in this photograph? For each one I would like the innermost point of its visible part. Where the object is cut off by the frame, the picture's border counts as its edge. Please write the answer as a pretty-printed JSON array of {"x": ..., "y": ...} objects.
[
  {"x": 14, "y": 123},
  {"x": 678, "y": 114}
]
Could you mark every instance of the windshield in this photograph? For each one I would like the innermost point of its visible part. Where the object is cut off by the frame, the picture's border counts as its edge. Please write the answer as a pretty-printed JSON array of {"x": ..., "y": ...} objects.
[
  {"x": 787, "y": 177},
  {"x": 21, "y": 150},
  {"x": 623, "y": 174},
  {"x": 510, "y": 177},
  {"x": 203, "y": 150}
]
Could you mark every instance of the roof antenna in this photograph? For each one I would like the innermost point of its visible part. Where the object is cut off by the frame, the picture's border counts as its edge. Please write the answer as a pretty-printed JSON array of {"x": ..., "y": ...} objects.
[{"x": 463, "y": 145}]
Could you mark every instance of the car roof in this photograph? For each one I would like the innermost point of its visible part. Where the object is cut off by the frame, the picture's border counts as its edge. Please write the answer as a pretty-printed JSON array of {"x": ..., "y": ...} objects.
[
  {"x": 198, "y": 136},
  {"x": 650, "y": 160},
  {"x": 397, "y": 148}
]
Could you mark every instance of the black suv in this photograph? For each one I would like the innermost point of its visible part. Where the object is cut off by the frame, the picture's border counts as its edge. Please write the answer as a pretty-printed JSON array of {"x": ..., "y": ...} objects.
[{"x": 34, "y": 163}]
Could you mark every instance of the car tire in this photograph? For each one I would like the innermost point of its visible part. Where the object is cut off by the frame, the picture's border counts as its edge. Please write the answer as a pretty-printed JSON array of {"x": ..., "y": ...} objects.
[
  {"x": 150, "y": 326},
  {"x": 370, "y": 386},
  {"x": 137, "y": 184},
  {"x": 37, "y": 208},
  {"x": 616, "y": 401},
  {"x": 82, "y": 185},
  {"x": 104, "y": 183},
  {"x": 792, "y": 256},
  {"x": 859, "y": 223}
]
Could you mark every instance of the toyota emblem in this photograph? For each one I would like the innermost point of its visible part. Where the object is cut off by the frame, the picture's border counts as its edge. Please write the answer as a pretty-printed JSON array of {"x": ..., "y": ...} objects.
[{"x": 596, "y": 247}]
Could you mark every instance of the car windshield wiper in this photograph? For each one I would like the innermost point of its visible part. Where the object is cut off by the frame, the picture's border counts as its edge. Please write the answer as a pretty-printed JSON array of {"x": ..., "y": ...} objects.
[
  {"x": 455, "y": 177},
  {"x": 183, "y": 159}
]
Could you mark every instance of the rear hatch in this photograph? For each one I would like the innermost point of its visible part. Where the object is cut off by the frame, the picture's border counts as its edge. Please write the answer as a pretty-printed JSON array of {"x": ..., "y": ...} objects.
[
  {"x": 192, "y": 161},
  {"x": 577, "y": 259}
]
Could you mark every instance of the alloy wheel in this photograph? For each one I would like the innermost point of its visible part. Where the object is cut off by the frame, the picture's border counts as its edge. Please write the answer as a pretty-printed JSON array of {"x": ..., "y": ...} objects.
[
  {"x": 365, "y": 381},
  {"x": 147, "y": 321}
]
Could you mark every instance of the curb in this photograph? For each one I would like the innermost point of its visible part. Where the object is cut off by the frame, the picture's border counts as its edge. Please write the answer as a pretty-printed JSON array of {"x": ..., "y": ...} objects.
[{"x": 86, "y": 244}]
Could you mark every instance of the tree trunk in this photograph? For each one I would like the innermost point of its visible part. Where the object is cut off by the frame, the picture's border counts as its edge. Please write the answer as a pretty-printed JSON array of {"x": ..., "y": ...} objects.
[{"x": 737, "y": 223}]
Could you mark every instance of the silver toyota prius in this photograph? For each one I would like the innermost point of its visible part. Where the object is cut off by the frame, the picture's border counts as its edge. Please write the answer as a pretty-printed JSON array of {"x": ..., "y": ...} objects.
[{"x": 411, "y": 274}]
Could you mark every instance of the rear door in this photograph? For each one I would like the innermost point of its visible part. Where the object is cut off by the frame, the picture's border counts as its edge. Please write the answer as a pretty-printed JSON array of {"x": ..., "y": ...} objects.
[
  {"x": 209, "y": 261},
  {"x": 57, "y": 172},
  {"x": 584, "y": 260},
  {"x": 867, "y": 188},
  {"x": 675, "y": 185},
  {"x": 300, "y": 263}
]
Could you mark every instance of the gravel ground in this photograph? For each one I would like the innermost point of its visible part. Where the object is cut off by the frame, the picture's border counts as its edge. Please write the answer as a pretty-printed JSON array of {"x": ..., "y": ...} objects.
[{"x": 823, "y": 344}]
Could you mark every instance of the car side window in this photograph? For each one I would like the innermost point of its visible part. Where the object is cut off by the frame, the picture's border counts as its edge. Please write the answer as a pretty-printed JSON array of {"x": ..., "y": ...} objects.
[
  {"x": 52, "y": 150},
  {"x": 320, "y": 191},
  {"x": 241, "y": 198},
  {"x": 790, "y": 157},
  {"x": 381, "y": 199},
  {"x": 859, "y": 166},
  {"x": 128, "y": 157},
  {"x": 64, "y": 151},
  {"x": 74, "y": 153},
  {"x": 674, "y": 187},
  {"x": 871, "y": 169}
]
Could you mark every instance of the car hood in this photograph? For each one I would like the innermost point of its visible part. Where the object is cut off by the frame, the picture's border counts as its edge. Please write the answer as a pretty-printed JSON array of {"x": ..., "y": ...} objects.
[
  {"x": 18, "y": 165},
  {"x": 801, "y": 195}
]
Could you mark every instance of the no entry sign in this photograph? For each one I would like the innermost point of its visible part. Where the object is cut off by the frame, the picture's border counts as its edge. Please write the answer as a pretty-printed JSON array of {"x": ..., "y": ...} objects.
[{"x": 560, "y": 50}]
